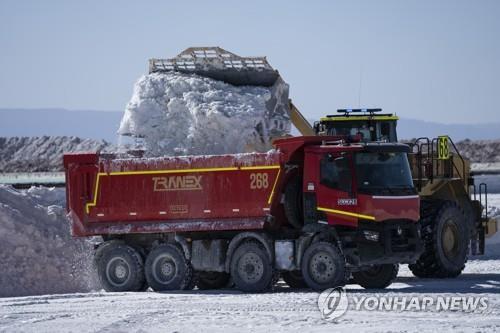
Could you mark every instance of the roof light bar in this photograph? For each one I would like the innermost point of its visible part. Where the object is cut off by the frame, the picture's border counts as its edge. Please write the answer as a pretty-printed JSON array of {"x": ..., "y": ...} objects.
[{"x": 359, "y": 110}]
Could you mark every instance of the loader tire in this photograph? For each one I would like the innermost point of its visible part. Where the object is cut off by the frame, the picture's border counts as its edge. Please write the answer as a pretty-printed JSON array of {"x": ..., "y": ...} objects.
[
  {"x": 446, "y": 238},
  {"x": 377, "y": 276},
  {"x": 120, "y": 268},
  {"x": 167, "y": 269},
  {"x": 293, "y": 202},
  {"x": 251, "y": 268},
  {"x": 294, "y": 279},
  {"x": 212, "y": 280},
  {"x": 324, "y": 266}
]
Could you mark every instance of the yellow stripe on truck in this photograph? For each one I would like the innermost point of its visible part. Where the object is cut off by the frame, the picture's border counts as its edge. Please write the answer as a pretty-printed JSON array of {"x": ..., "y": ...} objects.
[
  {"x": 346, "y": 213},
  {"x": 274, "y": 186},
  {"x": 155, "y": 172}
]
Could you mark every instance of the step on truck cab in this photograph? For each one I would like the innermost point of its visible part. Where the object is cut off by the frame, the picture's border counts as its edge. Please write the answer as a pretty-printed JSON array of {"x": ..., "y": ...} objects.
[{"x": 316, "y": 210}]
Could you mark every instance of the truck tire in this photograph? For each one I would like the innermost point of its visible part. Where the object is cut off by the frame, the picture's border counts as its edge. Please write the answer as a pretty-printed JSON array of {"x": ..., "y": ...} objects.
[
  {"x": 120, "y": 268},
  {"x": 251, "y": 268},
  {"x": 212, "y": 280},
  {"x": 323, "y": 266},
  {"x": 377, "y": 276},
  {"x": 294, "y": 279},
  {"x": 293, "y": 202},
  {"x": 142, "y": 253},
  {"x": 167, "y": 269},
  {"x": 446, "y": 238}
]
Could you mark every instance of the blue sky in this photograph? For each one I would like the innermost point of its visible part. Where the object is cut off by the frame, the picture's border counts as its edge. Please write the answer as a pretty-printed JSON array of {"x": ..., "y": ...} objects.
[{"x": 432, "y": 60}]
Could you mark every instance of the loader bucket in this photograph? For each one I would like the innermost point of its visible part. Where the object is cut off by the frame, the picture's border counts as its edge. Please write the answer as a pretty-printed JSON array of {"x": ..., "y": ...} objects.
[{"x": 219, "y": 64}]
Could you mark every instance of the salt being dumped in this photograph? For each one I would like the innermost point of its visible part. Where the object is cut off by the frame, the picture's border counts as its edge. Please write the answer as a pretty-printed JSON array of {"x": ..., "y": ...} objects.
[{"x": 179, "y": 114}]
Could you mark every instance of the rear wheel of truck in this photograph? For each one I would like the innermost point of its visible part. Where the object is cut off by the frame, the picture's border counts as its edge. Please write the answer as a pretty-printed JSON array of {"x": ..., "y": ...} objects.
[
  {"x": 212, "y": 280},
  {"x": 167, "y": 269},
  {"x": 120, "y": 268},
  {"x": 377, "y": 276},
  {"x": 294, "y": 279},
  {"x": 446, "y": 240},
  {"x": 323, "y": 266},
  {"x": 251, "y": 268}
]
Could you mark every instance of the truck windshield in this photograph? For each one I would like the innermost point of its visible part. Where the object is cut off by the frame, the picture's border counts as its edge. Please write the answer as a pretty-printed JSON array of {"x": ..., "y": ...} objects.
[{"x": 383, "y": 173}]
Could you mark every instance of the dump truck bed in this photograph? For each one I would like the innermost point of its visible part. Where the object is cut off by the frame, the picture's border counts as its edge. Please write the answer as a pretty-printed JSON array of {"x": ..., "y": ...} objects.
[{"x": 110, "y": 195}]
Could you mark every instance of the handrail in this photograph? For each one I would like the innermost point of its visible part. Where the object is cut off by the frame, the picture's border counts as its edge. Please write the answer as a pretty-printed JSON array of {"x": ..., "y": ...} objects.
[
  {"x": 466, "y": 181},
  {"x": 485, "y": 187},
  {"x": 436, "y": 163},
  {"x": 419, "y": 158}
]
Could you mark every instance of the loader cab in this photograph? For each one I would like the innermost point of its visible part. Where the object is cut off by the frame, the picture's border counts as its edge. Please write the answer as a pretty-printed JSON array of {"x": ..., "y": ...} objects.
[{"x": 369, "y": 124}]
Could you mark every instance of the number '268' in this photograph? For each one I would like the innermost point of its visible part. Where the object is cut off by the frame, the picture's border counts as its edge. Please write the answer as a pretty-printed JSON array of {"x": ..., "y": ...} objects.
[{"x": 259, "y": 181}]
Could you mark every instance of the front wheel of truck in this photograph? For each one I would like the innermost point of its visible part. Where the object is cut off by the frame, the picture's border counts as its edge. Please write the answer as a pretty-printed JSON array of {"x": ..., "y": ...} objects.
[
  {"x": 377, "y": 276},
  {"x": 120, "y": 268},
  {"x": 323, "y": 266}
]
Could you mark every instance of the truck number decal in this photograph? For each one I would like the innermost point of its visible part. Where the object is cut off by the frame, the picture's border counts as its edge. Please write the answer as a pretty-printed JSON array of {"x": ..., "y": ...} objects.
[{"x": 259, "y": 181}]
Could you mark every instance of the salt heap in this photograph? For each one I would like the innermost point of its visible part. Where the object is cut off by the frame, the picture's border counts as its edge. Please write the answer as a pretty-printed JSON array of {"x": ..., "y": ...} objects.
[
  {"x": 180, "y": 114},
  {"x": 37, "y": 253}
]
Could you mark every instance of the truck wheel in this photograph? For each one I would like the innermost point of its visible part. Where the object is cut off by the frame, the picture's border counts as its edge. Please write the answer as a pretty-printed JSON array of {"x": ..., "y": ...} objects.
[
  {"x": 323, "y": 266},
  {"x": 212, "y": 280},
  {"x": 293, "y": 202},
  {"x": 142, "y": 253},
  {"x": 167, "y": 269},
  {"x": 446, "y": 238},
  {"x": 377, "y": 276},
  {"x": 251, "y": 268},
  {"x": 294, "y": 279},
  {"x": 120, "y": 268}
]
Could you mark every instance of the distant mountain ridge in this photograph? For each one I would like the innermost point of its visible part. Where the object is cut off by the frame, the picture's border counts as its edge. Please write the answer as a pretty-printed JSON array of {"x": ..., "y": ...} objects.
[
  {"x": 60, "y": 122},
  {"x": 411, "y": 128},
  {"x": 104, "y": 124}
]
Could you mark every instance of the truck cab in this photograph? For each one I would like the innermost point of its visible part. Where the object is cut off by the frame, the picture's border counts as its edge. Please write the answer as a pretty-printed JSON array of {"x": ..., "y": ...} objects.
[{"x": 361, "y": 193}]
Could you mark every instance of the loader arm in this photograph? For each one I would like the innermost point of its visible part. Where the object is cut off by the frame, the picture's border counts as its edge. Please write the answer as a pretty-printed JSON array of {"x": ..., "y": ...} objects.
[{"x": 300, "y": 122}]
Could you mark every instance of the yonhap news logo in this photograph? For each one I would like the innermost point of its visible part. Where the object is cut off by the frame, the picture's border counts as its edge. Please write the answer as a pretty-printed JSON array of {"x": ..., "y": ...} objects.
[{"x": 333, "y": 303}]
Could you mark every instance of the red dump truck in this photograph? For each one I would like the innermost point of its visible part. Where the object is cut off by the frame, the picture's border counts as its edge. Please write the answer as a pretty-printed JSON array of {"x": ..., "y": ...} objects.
[{"x": 316, "y": 210}]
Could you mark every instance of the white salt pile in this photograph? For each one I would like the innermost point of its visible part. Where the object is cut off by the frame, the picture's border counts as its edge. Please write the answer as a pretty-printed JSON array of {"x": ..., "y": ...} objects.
[
  {"x": 179, "y": 114},
  {"x": 37, "y": 253}
]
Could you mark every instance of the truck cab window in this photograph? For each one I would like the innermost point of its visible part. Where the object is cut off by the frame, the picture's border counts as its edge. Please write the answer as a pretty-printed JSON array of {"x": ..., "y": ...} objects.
[{"x": 336, "y": 172}]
